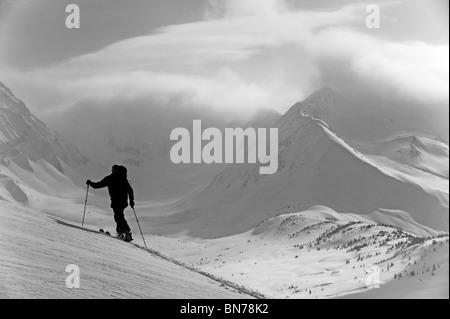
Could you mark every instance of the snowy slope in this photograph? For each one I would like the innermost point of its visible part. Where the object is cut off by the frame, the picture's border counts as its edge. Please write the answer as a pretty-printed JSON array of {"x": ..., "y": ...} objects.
[
  {"x": 426, "y": 154},
  {"x": 25, "y": 139},
  {"x": 319, "y": 253},
  {"x": 370, "y": 120},
  {"x": 38, "y": 169},
  {"x": 316, "y": 167},
  {"x": 36, "y": 249}
]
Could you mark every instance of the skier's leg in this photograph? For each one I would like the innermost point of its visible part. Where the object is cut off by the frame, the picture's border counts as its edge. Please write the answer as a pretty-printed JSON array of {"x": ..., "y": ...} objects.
[
  {"x": 122, "y": 225},
  {"x": 126, "y": 227},
  {"x": 118, "y": 217}
]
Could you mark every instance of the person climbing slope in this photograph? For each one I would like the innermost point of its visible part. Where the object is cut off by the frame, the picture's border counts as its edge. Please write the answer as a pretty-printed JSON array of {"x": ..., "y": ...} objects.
[{"x": 120, "y": 191}]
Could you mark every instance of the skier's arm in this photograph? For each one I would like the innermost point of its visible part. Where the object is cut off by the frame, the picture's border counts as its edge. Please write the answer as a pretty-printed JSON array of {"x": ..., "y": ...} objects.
[
  {"x": 102, "y": 184},
  {"x": 130, "y": 194}
]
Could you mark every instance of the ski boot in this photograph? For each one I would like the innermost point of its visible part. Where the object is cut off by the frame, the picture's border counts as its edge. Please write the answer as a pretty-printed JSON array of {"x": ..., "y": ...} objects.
[{"x": 128, "y": 238}]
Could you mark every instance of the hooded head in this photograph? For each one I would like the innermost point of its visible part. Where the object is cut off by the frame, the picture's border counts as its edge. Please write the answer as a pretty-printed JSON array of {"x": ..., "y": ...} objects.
[{"x": 120, "y": 170}]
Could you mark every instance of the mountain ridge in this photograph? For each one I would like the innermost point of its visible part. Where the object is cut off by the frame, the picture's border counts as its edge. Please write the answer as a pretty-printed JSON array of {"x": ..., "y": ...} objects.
[
  {"x": 316, "y": 167},
  {"x": 25, "y": 138}
]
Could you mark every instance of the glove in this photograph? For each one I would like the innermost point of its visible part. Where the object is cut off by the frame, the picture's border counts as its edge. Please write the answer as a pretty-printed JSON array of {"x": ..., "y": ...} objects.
[
  {"x": 132, "y": 204},
  {"x": 88, "y": 182}
]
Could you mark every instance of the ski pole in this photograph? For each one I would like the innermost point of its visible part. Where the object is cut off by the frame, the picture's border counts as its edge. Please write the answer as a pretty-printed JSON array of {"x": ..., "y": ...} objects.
[
  {"x": 140, "y": 229},
  {"x": 85, "y": 204}
]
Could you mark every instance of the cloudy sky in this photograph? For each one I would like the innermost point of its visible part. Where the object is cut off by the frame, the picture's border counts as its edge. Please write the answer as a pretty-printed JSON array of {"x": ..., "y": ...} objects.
[{"x": 237, "y": 55}]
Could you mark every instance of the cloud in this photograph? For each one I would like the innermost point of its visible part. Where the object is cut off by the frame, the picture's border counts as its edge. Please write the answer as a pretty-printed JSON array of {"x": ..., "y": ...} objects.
[
  {"x": 411, "y": 68},
  {"x": 213, "y": 63},
  {"x": 223, "y": 91},
  {"x": 193, "y": 60},
  {"x": 224, "y": 40},
  {"x": 37, "y": 36},
  {"x": 242, "y": 8},
  {"x": 414, "y": 69}
]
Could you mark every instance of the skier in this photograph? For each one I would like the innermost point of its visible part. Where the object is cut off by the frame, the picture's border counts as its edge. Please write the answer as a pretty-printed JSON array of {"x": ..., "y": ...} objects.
[{"x": 120, "y": 190}]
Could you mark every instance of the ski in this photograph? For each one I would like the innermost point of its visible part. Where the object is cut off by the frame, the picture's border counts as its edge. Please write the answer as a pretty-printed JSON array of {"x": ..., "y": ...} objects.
[
  {"x": 121, "y": 237},
  {"x": 105, "y": 232}
]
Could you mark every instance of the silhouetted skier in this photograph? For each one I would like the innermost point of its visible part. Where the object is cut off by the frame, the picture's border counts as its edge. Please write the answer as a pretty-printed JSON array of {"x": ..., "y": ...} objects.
[{"x": 119, "y": 190}]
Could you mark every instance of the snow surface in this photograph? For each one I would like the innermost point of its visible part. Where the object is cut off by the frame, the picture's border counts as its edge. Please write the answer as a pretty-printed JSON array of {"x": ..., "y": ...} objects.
[
  {"x": 426, "y": 154},
  {"x": 36, "y": 249},
  {"x": 319, "y": 253}
]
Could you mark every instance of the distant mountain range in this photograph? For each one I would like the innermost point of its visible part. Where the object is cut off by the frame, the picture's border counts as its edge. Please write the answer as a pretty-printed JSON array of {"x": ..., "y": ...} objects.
[
  {"x": 317, "y": 167},
  {"x": 402, "y": 178}
]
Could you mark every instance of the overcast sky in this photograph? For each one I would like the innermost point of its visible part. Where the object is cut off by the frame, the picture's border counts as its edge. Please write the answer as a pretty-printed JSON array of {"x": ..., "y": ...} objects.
[{"x": 235, "y": 54}]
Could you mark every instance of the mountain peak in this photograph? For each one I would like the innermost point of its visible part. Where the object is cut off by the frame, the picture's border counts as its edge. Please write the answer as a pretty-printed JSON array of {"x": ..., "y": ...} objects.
[
  {"x": 322, "y": 101},
  {"x": 323, "y": 105},
  {"x": 4, "y": 91},
  {"x": 24, "y": 138},
  {"x": 317, "y": 106},
  {"x": 325, "y": 93},
  {"x": 9, "y": 101}
]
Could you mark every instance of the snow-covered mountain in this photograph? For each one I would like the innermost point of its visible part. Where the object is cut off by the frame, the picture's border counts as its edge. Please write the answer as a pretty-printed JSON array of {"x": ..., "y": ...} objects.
[
  {"x": 316, "y": 167},
  {"x": 423, "y": 153},
  {"x": 320, "y": 253},
  {"x": 25, "y": 139},
  {"x": 34, "y": 160},
  {"x": 370, "y": 120}
]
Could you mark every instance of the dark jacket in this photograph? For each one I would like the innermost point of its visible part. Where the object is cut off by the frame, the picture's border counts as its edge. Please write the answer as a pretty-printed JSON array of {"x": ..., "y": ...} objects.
[{"x": 119, "y": 190}]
